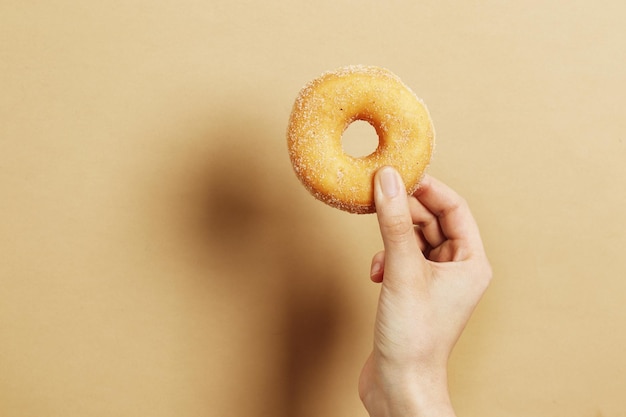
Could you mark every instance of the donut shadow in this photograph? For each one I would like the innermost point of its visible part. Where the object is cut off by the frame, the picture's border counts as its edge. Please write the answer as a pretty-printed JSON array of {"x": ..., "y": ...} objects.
[{"x": 245, "y": 212}]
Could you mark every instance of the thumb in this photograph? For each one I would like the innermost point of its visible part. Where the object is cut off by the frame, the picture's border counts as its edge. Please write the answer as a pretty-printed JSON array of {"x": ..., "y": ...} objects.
[{"x": 394, "y": 219}]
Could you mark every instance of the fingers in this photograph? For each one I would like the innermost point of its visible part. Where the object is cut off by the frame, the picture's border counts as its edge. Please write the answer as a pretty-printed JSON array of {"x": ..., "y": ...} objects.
[
  {"x": 395, "y": 221},
  {"x": 427, "y": 225},
  {"x": 451, "y": 211},
  {"x": 392, "y": 209},
  {"x": 434, "y": 224},
  {"x": 378, "y": 267}
]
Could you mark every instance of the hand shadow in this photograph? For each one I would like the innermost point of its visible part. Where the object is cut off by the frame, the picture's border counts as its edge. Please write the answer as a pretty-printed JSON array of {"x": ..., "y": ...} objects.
[{"x": 254, "y": 221}]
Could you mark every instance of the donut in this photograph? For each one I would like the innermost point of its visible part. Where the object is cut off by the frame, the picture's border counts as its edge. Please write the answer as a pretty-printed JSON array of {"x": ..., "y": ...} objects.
[{"x": 324, "y": 109}]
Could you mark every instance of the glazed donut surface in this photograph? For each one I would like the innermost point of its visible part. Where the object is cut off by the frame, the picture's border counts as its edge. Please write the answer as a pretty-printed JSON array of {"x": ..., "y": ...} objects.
[{"x": 324, "y": 109}]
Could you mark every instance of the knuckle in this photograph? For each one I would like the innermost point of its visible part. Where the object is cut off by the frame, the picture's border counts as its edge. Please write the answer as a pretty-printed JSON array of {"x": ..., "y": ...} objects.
[
  {"x": 460, "y": 204},
  {"x": 397, "y": 227}
]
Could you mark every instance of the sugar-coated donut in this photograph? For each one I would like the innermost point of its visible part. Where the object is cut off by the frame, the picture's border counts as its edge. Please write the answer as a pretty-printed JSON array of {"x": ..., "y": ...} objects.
[{"x": 322, "y": 112}]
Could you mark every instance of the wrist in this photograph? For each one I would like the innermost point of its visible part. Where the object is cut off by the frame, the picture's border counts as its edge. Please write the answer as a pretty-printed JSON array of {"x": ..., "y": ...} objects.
[
  {"x": 426, "y": 396},
  {"x": 423, "y": 394}
]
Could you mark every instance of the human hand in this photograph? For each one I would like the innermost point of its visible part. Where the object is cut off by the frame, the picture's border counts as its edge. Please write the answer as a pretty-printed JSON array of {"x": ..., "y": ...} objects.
[{"x": 433, "y": 272}]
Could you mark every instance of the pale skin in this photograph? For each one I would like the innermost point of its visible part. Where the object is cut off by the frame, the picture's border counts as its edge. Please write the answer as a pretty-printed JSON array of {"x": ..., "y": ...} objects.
[{"x": 433, "y": 271}]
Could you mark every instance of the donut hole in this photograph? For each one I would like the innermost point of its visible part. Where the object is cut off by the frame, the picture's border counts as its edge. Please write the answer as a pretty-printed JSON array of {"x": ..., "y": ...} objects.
[{"x": 359, "y": 139}]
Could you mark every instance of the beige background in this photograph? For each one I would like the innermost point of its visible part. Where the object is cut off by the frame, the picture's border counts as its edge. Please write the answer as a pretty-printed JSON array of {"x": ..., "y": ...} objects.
[{"x": 159, "y": 258}]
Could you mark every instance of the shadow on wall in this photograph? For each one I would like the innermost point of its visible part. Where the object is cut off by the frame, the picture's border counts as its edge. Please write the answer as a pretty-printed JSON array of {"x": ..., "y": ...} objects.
[{"x": 272, "y": 258}]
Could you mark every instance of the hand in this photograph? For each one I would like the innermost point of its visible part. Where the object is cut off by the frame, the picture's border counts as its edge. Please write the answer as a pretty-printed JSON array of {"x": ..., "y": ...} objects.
[{"x": 433, "y": 272}]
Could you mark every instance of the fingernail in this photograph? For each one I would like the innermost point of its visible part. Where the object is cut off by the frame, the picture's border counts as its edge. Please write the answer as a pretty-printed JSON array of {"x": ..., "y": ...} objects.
[
  {"x": 389, "y": 183},
  {"x": 376, "y": 268}
]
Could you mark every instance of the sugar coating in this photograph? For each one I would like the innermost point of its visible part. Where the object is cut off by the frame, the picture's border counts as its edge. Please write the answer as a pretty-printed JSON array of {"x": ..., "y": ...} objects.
[{"x": 323, "y": 110}]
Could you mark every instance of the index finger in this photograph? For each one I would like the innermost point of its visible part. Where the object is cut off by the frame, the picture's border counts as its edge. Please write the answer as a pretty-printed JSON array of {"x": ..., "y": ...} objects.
[{"x": 452, "y": 211}]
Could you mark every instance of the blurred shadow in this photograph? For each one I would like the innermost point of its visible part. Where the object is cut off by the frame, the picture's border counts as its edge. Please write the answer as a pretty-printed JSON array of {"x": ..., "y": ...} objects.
[{"x": 248, "y": 216}]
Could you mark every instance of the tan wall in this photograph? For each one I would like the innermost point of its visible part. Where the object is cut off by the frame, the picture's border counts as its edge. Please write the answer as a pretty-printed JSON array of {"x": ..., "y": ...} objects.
[{"x": 159, "y": 257}]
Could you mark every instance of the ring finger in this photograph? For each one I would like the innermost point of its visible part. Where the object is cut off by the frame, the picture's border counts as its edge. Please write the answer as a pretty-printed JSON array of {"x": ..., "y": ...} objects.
[{"x": 426, "y": 223}]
